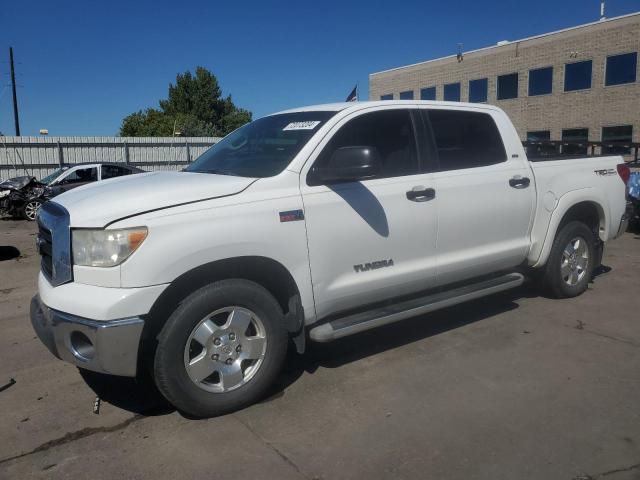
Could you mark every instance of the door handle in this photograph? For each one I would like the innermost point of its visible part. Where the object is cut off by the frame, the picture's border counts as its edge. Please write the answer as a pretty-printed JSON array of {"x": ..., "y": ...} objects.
[
  {"x": 519, "y": 182},
  {"x": 421, "y": 194}
]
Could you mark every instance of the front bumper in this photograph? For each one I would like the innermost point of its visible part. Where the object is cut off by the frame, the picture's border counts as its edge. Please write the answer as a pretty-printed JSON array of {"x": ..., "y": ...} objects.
[{"x": 102, "y": 346}]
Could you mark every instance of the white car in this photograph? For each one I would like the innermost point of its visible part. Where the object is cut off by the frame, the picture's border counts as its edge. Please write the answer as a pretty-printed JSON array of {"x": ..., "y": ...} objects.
[{"x": 310, "y": 224}]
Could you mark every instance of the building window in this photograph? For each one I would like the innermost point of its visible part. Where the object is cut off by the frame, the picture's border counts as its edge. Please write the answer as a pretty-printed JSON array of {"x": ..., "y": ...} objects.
[
  {"x": 428, "y": 93},
  {"x": 621, "y": 69},
  {"x": 507, "y": 86},
  {"x": 478, "y": 90},
  {"x": 388, "y": 96},
  {"x": 577, "y": 76},
  {"x": 540, "y": 81},
  {"x": 452, "y": 92},
  {"x": 542, "y": 149},
  {"x": 408, "y": 95},
  {"x": 572, "y": 139},
  {"x": 622, "y": 133}
]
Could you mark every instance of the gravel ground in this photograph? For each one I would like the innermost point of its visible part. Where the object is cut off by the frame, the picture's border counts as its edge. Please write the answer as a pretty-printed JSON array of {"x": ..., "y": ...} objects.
[{"x": 512, "y": 386}]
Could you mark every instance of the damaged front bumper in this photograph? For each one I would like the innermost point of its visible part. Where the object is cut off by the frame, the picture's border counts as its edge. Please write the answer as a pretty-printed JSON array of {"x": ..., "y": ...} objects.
[{"x": 102, "y": 346}]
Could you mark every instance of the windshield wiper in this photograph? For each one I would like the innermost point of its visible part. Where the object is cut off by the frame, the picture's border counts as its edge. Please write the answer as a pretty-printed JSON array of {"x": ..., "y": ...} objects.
[{"x": 214, "y": 172}]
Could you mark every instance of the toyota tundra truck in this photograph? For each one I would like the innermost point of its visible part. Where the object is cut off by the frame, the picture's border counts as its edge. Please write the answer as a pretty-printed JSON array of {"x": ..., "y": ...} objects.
[{"x": 310, "y": 225}]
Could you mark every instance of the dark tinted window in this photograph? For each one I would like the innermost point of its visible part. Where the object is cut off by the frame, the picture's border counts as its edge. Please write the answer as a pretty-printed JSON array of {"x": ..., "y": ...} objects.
[
  {"x": 111, "y": 171},
  {"x": 577, "y": 76},
  {"x": 428, "y": 93},
  {"x": 507, "y": 86},
  {"x": 389, "y": 96},
  {"x": 540, "y": 135},
  {"x": 262, "y": 148},
  {"x": 408, "y": 95},
  {"x": 621, "y": 69},
  {"x": 540, "y": 81},
  {"x": 466, "y": 139},
  {"x": 82, "y": 175},
  {"x": 573, "y": 138},
  {"x": 452, "y": 92},
  {"x": 389, "y": 131},
  {"x": 542, "y": 149},
  {"x": 478, "y": 90},
  {"x": 620, "y": 133}
]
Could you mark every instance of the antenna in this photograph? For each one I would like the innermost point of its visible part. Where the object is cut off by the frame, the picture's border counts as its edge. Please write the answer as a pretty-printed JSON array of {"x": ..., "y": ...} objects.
[
  {"x": 459, "y": 56},
  {"x": 602, "y": 17}
]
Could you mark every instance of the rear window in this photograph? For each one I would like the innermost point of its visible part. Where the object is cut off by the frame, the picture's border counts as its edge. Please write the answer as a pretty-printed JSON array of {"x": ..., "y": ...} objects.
[{"x": 466, "y": 139}]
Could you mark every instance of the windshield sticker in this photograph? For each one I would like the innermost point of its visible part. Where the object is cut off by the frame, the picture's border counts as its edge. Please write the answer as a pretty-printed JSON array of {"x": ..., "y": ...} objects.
[{"x": 302, "y": 125}]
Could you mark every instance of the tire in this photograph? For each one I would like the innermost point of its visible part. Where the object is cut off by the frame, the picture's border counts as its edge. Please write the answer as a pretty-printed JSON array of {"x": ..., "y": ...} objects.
[
  {"x": 30, "y": 209},
  {"x": 217, "y": 328},
  {"x": 569, "y": 268}
]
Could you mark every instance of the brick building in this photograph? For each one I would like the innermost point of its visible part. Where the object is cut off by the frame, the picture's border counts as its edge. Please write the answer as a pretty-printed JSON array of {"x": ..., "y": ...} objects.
[{"x": 577, "y": 84}]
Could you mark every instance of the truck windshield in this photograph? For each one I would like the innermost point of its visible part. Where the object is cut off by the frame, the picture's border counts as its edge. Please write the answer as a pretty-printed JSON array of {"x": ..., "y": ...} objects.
[{"x": 262, "y": 148}]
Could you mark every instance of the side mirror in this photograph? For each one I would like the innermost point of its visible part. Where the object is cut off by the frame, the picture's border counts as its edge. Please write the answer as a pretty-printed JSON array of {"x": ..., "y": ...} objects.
[{"x": 351, "y": 164}]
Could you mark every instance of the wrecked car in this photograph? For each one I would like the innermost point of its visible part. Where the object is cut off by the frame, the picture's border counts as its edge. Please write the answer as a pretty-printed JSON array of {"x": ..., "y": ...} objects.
[{"x": 23, "y": 196}]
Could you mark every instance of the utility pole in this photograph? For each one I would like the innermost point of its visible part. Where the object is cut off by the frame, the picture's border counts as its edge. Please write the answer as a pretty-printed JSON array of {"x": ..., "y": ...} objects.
[{"x": 15, "y": 98}]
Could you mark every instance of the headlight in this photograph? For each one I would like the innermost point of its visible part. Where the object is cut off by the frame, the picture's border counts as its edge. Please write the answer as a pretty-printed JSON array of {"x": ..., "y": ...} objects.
[
  {"x": 105, "y": 248},
  {"x": 4, "y": 193}
]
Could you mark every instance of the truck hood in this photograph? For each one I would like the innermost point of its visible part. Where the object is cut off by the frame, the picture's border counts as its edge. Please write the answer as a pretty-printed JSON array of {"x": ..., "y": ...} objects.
[{"x": 100, "y": 203}]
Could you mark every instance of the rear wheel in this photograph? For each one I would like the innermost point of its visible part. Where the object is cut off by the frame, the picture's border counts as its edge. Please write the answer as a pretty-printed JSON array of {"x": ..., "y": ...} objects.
[
  {"x": 570, "y": 265},
  {"x": 221, "y": 348},
  {"x": 30, "y": 209}
]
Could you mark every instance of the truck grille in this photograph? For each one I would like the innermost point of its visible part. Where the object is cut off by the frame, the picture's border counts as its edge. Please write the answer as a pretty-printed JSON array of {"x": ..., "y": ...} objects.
[
  {"x": 45, "y": 247},
  {"x": 54, "y": 243}
]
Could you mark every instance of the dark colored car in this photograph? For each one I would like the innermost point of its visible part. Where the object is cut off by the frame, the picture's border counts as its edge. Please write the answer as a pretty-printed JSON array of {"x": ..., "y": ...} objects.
[{"x": 22, "y": 196}]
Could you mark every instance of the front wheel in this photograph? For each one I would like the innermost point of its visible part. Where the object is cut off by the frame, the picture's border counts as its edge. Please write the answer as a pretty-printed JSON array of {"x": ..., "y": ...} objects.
[
  {"x": 221, "y": 348},
  {"x": 569, "y": 268},
  {"x": 30, "y": 209}
]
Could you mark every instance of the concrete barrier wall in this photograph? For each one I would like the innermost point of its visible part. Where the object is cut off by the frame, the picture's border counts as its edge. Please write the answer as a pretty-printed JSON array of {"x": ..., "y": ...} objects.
[{"x": 39, "y": 156}]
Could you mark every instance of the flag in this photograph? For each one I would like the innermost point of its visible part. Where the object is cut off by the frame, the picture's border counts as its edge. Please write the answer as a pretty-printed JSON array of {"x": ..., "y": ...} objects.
[{"x": 353, "y": 96}]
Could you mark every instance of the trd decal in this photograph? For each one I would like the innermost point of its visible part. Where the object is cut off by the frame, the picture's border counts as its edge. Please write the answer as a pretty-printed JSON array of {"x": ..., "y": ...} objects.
[
  {"x": 291, "y": 216},
  {"x": 373, "y": 265},
  {"x": 604, "y": 172}
]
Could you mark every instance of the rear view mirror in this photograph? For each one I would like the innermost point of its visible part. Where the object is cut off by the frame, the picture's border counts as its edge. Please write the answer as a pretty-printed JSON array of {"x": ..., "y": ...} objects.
[{"x": 351, "y": 164}]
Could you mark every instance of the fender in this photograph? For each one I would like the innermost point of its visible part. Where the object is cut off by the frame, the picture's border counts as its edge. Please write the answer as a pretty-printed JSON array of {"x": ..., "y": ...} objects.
[
  {"x": 539, "y": 252},
  {"x": 269, "y": 273}
]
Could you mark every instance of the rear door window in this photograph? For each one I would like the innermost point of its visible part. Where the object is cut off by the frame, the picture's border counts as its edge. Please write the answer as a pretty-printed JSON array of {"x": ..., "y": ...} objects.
[
  {"x": 465, "y": 139},
  {"x": 111, "y": 171}
]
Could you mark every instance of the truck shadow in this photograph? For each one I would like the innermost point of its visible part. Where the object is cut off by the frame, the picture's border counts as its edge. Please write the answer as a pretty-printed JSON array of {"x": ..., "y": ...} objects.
[
  {"x": 8, "y": 252},
  {"x": 142, "y": 397},
  {"x": 363, "y": 345}
]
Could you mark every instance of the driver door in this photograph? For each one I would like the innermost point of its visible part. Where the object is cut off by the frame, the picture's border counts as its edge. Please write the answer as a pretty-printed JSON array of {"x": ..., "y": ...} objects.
[{"x": 370, "y": 240}]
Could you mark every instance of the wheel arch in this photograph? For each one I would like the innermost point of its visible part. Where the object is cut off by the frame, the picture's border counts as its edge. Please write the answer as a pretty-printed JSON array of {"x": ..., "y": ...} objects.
[
  {"x": 268, "y": 273},
  {"x": 575, "y": 207}
]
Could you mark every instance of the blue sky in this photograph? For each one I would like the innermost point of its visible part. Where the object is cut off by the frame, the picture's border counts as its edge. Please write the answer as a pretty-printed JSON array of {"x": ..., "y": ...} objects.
[{"x": 84, "y": 65}]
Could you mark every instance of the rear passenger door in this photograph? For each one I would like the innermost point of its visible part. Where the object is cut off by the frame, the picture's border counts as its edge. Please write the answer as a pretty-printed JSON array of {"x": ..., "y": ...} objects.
[
  {"x": 373, "y": 239},
  {"x": 484, "y": 215}
]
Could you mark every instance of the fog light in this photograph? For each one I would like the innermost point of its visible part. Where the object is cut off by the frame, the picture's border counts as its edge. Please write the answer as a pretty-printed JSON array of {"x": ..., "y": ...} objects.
[{"x": 81, "y": 346}]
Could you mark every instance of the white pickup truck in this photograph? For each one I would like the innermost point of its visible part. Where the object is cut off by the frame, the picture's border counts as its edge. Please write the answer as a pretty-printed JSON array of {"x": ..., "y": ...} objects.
[{"x": 310, "y": 225}]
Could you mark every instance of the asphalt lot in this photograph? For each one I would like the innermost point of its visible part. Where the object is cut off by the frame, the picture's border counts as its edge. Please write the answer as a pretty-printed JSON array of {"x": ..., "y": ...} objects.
[{"x": 514, "y": 386}]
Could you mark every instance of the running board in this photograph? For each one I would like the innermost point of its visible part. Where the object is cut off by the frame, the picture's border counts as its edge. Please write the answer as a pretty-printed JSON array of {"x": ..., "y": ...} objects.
[{"x": 359, "y": 322}]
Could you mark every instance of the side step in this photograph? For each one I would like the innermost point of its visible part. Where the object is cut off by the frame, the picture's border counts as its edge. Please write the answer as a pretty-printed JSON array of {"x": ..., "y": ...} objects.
[{"x": 359, "y": 322}]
